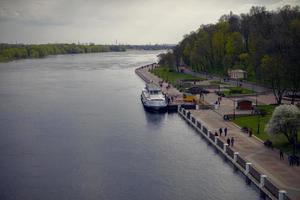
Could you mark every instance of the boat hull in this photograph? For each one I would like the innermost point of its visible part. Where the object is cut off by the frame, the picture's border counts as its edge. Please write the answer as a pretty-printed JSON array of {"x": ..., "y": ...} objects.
[{"x": 156, "y": 106}]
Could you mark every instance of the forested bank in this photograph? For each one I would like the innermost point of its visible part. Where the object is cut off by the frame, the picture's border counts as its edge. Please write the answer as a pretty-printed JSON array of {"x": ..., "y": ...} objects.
[
  {"x": 264, "y": 43},
  {"x": 9, "y": 52}
]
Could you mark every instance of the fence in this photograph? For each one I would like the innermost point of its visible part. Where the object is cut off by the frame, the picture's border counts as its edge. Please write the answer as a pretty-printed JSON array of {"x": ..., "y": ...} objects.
[
  {"x": 205, "y": 131},
  {"x": 255, "y": 174},
  {"x": 271, "y": 188},
  {"x": 220, "y": 143},
  {"x": 193, "y": 120},
  {"x": 285, "y": 197},
  {"x": 241, "y": 162},
  {"x": 268, "y": 185},
  {"x": 199, "y": 125},
  {"x": 188, "y": 115},
  {"x": 211, "y": 136},
  {"x": 229, "y": 152}
]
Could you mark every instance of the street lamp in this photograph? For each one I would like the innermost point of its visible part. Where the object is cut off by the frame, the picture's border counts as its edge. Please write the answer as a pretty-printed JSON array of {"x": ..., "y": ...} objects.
[
  {"x": 258, "y": 123},
  {"x": 233, "y": 108}
]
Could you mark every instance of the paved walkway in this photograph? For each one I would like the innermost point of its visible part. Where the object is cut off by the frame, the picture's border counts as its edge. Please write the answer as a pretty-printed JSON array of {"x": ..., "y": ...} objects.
[{"x": 265, "y": 160}]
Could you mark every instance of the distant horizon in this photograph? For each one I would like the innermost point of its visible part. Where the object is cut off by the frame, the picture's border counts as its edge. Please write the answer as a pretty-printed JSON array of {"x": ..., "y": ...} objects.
[
  {"x": 87, "y": 43},
  {"x": 115, "y": 21}
]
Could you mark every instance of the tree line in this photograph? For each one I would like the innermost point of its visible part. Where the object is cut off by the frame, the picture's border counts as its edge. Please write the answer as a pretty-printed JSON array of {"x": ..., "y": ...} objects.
[
  {"x": 264, "y": 43},
  {"x": 10, "y": 52}
]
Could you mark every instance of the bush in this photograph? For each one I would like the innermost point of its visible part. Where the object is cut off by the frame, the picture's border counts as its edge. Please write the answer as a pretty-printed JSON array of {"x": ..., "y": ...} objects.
[{"x": 236, "y": 90}]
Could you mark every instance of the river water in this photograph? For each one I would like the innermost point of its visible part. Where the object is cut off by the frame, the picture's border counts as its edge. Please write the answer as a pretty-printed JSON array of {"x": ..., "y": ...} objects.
[{"x": 73, "y": 127}]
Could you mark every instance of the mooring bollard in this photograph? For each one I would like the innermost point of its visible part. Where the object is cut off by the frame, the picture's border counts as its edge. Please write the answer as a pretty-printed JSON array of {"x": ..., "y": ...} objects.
[
  {"x": 262, "y": 180},
  {"x": 281, "y": 194},
  {"x": 235, "y": 156}
]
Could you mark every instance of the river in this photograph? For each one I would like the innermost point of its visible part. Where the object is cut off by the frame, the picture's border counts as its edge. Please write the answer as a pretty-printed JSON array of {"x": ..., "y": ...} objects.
[{"x": 73, "y": 127}]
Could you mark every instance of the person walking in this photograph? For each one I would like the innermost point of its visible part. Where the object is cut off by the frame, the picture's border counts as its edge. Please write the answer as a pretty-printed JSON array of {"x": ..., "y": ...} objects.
[
  {"x": 281, "y": 154},
  {"x": 225, "y": 131},
  {"x": 216, "y": 133},
  {"x": 232, "y": 141},
  {"x": 220, "y": 131},
  {"x": 250, "y": 132}
]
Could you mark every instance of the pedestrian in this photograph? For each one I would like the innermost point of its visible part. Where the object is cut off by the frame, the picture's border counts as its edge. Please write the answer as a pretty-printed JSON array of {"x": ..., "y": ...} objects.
[
  {"x": 225, "y": 131},
  {"x": 281, "y": 154},
  {"x": 228, "y": 142},
  {"x": 290, "y": 160},
  {"x": 232, "y": 141},
  {"x": 216, "y": 133},
  {"x": 250, "y": 132},
  {"x": 220, "y": 131}
]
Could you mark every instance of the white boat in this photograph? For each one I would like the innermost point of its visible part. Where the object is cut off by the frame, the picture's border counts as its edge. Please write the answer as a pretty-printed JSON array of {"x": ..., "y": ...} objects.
[{"x": 153, "y": 98}]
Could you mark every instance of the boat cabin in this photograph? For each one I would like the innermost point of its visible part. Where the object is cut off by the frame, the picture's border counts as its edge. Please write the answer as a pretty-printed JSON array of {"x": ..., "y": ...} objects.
[{"x": 153, "y": 89}]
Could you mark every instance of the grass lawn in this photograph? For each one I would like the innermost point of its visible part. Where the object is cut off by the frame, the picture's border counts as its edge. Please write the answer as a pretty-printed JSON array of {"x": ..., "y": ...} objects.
[
  {"x": 279, "y": 141},
  {"x": 237, "y": 90},
  {"x": 173, "y": 77},
  {"x": 218, "y": 83}
]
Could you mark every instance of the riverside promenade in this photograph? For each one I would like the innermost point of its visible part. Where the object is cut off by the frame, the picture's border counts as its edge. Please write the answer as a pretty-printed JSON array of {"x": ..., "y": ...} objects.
[{"x": 283, "y": 180}]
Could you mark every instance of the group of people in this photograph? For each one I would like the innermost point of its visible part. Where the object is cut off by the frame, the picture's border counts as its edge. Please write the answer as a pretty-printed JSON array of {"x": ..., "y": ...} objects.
[
  {"x": 218, "y": 102},
  {"x": 230, "y": 141},
  {"x": 294, "y": 160}
]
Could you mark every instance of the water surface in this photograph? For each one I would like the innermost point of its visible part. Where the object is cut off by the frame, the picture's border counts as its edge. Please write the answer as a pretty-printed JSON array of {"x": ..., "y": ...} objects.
[{"x": 73, "y": 127}]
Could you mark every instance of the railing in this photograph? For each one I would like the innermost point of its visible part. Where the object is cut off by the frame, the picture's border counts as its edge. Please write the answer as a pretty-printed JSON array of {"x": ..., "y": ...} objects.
[
  {"x": 199, "y": 125},
  {"x": 220, "y": 143},
  {"x": 268, "y": 185},
  {"x": 285, "y": 197},
  {"x": 211, "y": 136},
  {"x": 188, "y": 115},
  {"x": 205, "y": 131},
  {"x": 254, "y": 173},
  {"x": 271, "y": 188},
  {"x": 229, "y": 152},
  {"x": 241, "y": 162},
  {"x": 193, "y": 120}
]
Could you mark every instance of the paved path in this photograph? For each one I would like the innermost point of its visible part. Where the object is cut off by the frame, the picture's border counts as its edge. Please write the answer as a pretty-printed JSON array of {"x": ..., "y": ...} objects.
[
  {"x": 265, "y": 160},
  {"x": 245, "y": 84}
]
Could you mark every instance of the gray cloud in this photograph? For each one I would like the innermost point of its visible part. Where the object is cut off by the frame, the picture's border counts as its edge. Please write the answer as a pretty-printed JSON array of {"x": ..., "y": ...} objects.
[{"x": 104, "y": 21}]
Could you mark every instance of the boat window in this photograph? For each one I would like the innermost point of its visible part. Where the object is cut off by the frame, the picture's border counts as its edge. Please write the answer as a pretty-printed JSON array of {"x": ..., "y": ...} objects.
[{"x": 155, "y": 92}]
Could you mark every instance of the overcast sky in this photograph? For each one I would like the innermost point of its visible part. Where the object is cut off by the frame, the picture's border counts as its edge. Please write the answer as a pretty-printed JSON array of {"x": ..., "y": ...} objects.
[{"x": 105, "y": 21}]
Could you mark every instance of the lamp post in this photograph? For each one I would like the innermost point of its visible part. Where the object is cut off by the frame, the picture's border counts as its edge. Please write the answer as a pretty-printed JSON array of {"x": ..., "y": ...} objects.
[
  {"x": 233, "y": 108},
  {"x": 258, "y": 114},
  {"x": 258, "y": 123}
]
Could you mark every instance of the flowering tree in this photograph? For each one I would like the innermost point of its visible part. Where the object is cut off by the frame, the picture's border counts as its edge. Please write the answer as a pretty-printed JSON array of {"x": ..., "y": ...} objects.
[{"x": 285, "y": 120}]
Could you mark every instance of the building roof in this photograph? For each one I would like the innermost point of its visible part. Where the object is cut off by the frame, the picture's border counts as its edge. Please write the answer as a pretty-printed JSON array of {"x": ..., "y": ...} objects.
[{"x": 238, "y": 70}]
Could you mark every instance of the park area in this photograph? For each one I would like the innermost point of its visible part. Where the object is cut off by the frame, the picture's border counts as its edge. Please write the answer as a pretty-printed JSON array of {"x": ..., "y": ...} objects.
[
  {"x": 173, "y": 77},
  {"x": 258, "y": 122}
]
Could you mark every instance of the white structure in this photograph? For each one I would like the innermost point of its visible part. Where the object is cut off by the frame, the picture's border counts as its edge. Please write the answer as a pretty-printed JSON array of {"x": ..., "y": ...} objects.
[
  {"x": 152, "y": 98},
  {"x": 237, "y": 74}
]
